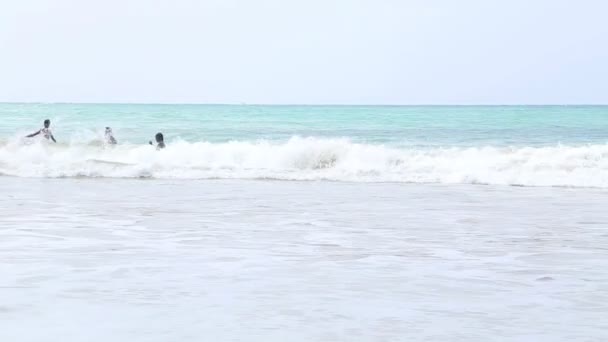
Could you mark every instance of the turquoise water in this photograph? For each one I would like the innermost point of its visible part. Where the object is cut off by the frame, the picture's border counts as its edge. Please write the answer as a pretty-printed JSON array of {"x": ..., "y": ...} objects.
[
  {"x": 394, "y": 125},
  {"x": 510, "y": 145}
]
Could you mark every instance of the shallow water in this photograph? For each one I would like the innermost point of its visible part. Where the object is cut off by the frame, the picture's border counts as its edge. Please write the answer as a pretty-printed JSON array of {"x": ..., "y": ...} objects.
[{"x": 234, "y": 260}]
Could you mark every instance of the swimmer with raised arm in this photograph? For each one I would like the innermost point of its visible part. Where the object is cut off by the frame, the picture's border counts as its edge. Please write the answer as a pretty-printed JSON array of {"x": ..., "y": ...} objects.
[
  {"x": 160, "y": 140},
  {"x": 45, "y": 131}
]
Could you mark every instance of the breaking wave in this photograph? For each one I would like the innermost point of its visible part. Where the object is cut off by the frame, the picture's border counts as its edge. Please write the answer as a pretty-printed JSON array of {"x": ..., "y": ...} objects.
[{"x": 313, "y": 159}]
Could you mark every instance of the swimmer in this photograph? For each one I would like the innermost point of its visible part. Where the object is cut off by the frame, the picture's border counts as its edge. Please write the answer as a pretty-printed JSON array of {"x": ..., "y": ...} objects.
[
  {"x": 160, "y": 140},
  {"x": 46, "y": 131},
  {"x": 110, "y": 140}
]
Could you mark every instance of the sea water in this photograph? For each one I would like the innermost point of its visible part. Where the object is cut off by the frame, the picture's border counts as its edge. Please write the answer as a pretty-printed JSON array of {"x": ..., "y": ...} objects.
[
  {"x": 528, "y": 145},
  {"x": 304, "y": 223}
]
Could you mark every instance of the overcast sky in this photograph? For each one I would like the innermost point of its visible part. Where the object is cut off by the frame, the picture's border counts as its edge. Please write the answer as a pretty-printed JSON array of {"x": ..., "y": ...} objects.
[{"x": 305, "y": 51}]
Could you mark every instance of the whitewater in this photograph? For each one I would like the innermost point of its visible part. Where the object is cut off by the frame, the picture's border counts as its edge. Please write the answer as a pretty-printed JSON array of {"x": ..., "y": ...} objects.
[{"x": 313, "y": 159}]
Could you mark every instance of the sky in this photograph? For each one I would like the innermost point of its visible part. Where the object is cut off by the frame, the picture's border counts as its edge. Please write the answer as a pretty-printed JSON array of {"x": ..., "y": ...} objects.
[{"x": 305, "y": 51}]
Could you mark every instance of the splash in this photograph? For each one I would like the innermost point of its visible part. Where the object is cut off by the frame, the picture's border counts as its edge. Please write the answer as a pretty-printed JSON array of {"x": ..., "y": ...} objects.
[{"x": 313, "y": 159}]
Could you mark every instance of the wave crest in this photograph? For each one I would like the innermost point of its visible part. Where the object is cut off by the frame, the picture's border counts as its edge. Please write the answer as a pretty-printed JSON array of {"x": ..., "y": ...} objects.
[{"x": 314, "y": 159}]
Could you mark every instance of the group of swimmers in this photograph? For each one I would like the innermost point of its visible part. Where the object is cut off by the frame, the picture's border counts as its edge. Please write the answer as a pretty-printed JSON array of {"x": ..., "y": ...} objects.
[{"x": 109, "y": 136}]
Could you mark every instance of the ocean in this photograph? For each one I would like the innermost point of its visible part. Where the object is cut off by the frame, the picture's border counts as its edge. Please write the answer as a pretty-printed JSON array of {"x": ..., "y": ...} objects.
[
  {"x": 304, "y": 223},
  {"x": 526, "y": 145}
]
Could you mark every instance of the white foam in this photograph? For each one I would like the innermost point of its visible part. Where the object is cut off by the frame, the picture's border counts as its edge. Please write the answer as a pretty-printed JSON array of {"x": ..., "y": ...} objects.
[{"x": 314, "y": 159}]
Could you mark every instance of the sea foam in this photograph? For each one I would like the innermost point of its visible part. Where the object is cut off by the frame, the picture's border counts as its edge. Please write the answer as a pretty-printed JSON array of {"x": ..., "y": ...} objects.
[{"x": 313, "y": 159}]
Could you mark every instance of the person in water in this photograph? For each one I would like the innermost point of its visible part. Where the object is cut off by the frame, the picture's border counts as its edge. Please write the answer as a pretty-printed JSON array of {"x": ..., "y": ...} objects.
[
  {"x": 160, "y": 140},
  {"x": 45, "y": 131},
  {"x": 110, "y": 140}
]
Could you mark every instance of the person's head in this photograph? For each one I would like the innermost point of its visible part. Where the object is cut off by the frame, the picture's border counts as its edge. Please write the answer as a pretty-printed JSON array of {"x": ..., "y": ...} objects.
[
  {"x": 108, "y": 130},
  {"x": 47, "y": 123},
  {"x": 159, "y": 137}
]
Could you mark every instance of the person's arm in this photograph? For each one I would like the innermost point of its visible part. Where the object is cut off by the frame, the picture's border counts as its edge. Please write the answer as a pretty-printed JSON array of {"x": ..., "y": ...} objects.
[
  {"x": 33, "y": 134},
  {"x": 53, "y": 138}
]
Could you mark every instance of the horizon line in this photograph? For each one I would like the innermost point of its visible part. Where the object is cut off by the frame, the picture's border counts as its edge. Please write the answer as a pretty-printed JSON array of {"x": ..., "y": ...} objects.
[{"x": 307, "y": 104}]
